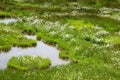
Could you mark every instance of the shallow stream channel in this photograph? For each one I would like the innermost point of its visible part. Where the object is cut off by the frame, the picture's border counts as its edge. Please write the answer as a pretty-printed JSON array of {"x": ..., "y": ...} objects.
[{"x": 41, "y": 49}]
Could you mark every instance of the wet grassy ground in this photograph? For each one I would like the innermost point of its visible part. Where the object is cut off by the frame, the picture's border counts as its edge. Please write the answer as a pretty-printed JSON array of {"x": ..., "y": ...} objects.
[{"x": 90, "y": 40}]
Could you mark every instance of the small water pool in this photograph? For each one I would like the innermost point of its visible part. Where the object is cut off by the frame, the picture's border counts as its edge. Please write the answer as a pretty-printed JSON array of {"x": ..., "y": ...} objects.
[
  {"x": 6, "y": 20},
  {"x": 42, "y": 49}
]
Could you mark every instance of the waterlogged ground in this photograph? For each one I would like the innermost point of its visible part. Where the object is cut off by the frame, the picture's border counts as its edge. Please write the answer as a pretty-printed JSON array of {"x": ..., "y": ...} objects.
[
  {"x": 43, "y": 50},
  {"x": 7, "y": 21},
  {"x": 89, "y": 37}
]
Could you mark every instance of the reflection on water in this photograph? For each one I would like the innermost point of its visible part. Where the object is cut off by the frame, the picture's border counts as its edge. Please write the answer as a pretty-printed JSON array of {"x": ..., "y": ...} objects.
[
  {"x": 42, "y": 49},
  {"x": 6, "y": 21}
]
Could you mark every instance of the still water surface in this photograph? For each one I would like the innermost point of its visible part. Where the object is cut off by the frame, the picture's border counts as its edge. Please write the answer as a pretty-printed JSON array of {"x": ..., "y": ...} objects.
[{"x": 6, "y": 21}]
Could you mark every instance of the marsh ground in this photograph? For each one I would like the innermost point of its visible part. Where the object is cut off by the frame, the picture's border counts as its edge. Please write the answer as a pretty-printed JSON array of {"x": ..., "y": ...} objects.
[{"x": 89, "y": 36}]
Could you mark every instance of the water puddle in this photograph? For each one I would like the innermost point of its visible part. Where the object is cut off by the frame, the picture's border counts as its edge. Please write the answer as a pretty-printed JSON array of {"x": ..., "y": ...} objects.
[
  {"x": 42, "y": 49},
  {"x": 6, "y": 21}
]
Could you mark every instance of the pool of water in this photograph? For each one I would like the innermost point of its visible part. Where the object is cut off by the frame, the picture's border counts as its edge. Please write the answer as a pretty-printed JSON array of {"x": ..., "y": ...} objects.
[
  {"x": 6, "y": 21},
  {"x": 42, "y": 49}
]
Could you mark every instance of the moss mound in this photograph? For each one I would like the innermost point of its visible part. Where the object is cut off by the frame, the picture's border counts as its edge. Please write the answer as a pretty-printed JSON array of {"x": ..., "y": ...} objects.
[{"x": 28, "y": 62}]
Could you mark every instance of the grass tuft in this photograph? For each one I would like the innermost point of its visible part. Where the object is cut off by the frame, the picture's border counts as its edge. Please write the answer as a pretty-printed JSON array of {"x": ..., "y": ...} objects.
[{"x": 28, "y": 62}]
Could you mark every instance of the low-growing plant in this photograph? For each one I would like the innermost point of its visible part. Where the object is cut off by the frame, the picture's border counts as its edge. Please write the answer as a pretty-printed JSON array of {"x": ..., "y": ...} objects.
[
  {"x": 4, "y": 46},
  {"x": 25, "y": 43},
  {"x": 90, "y": 41},
  {"x": 28, "y": 62},
  {"x": 64, "y": 55},
  {"x": 4, "y": 14}
]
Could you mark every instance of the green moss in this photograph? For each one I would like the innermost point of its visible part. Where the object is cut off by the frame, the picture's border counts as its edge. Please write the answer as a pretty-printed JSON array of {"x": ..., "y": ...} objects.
[
  {"x": 63, "y": 55},
  {"x": 9, "y": 39},
  {"x": 4, "y": 14},
  {"x": 113, "y": 39},
  {"x": 80, "y": 23},
  {"x": 28, "y": 30},
  {"x": 4, "y": 46},
  {"x": 106, "y": 23},
  {"x": 25, "y": 43},
  {"x": 39, "y": 36},
  {"x": 28, "y": 62}
]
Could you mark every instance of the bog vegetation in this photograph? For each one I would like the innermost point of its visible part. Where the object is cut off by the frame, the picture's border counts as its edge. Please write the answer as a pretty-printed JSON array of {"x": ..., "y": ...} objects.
[
  {"x": 28, "y": 62},
  {"x": 87, "y": 32}
]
